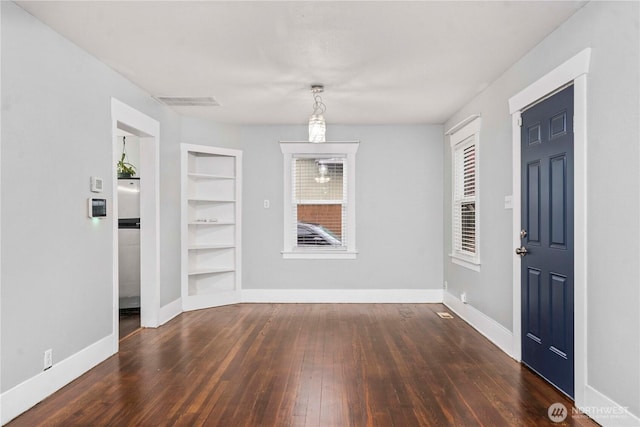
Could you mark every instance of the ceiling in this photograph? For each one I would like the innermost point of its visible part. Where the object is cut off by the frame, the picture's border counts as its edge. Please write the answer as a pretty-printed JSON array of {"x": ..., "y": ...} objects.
[{"x": 382, "y": 62}]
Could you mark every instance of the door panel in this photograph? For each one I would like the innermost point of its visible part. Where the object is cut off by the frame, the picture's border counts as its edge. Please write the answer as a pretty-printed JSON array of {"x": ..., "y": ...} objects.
[
  {"x": 533, "y": 206},
  {"x": 558, "y": 338},
  {"x": 534, "y": 134},
  {"x": 547, "y": 217},
  {"x": 533, "y": 312},
  {"x": 557, "y": 213},
  {"x": 558, "y": 125}
]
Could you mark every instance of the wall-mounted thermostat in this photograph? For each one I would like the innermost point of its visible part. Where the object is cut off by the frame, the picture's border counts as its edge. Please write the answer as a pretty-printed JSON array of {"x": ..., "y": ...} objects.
[
  {"x": 97, "y": 207},
  {"x": 96, "y": 184}
]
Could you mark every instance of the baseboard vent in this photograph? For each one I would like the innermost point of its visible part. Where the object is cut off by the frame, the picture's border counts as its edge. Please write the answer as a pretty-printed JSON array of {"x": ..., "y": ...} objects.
[{"x": 445, "y": 315}]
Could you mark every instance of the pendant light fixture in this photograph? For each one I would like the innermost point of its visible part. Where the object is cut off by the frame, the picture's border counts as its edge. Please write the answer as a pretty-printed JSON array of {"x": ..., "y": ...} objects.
[
  {"x": 323, "y": 171},
  {"x": 316, "y": 121}
]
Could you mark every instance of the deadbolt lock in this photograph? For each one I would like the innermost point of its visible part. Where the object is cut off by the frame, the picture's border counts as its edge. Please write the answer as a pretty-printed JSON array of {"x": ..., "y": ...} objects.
[{"x": 523, "y": 233}]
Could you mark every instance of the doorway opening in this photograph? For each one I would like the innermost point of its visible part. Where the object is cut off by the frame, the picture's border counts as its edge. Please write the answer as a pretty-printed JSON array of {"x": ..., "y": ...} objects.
[
  {"x": 128, "y": 170},
  {"x": 132, "y": 124}
]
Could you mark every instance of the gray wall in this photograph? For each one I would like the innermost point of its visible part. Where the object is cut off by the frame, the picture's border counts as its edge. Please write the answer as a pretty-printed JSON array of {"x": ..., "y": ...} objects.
[
  {"x": 56, "y": 133},
  {"x": 398, "y": 208},
  {"x": 611, "y": 29},
  {"x": 170, "y": 134}
]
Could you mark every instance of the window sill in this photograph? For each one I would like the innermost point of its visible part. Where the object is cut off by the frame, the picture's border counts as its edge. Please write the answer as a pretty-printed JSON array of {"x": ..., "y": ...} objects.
[
  {"x": 471, "y": 265},
  {"x": 319, "y": 255}
]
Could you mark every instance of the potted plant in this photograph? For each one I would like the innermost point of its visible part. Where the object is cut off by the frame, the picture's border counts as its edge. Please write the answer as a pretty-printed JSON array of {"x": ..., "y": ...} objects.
[{"x": 125, "y": 169}]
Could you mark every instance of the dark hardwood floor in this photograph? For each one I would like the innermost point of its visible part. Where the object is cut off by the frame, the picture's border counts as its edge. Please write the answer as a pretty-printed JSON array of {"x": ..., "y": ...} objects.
[
  {"x": 305, "y": 365},
  {"x": 129, "y": 322}
]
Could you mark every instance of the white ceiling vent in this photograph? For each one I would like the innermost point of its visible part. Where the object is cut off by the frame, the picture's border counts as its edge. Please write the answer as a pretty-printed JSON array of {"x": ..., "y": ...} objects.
[{"x": 188, "y": 101}]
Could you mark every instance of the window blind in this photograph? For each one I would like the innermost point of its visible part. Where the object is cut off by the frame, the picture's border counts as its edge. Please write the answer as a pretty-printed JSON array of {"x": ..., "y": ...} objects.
[
  {"x": 464, "y": 203},
  {"x": 319, "y": 202}
]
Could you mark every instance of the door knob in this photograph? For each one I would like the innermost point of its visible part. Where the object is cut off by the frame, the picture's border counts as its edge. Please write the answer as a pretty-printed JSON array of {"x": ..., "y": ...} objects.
[{"x": 522, "y": 251}]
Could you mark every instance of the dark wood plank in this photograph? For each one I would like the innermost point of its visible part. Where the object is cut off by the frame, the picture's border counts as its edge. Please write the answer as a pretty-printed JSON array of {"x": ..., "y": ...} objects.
[
  {"x": 129, "y": 322},
  {"x": 306, "y": 365}
]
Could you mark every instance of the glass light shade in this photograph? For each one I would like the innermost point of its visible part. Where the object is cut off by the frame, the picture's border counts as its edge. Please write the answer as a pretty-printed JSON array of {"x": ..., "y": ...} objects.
[{"x": 316, "y": 128}]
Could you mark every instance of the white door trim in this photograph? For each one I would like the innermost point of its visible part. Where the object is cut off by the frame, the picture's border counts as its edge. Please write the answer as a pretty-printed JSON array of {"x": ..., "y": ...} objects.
[
  {"x": 148, "y": 130},
  {"x": 573, "y": 70}
]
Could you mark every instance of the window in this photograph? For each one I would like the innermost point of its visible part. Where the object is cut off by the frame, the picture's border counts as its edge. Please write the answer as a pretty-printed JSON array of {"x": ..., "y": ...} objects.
[
  {"x": 319, "y": 206},
  {"x": 465, "y": 230}
]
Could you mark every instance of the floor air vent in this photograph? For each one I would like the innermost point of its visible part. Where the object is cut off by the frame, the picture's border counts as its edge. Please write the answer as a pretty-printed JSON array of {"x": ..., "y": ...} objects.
[
  {"x": 188, "y": 101},
  {"x": 445, "y": 315}
]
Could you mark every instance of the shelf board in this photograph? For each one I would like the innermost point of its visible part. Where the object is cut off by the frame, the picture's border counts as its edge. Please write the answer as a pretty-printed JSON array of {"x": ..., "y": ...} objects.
[
  {"x": 211, "y": 223},
  {"x": 209, "y": 176},
  {"x": 209, "y": 200},
  {"x": 211, "y": 271},
  {"x": 204, "y": 247}
]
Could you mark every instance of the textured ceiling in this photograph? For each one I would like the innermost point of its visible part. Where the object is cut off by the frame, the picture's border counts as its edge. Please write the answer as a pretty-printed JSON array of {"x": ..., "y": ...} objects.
[{"x": 382, "y": 62}]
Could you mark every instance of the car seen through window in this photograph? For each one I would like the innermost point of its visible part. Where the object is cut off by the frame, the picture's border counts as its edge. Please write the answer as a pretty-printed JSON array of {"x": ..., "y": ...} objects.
[{"x": 316, "y": 235}]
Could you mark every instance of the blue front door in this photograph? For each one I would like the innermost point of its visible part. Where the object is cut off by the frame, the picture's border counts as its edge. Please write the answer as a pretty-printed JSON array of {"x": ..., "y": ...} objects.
[{"x": 547, "y": 239}]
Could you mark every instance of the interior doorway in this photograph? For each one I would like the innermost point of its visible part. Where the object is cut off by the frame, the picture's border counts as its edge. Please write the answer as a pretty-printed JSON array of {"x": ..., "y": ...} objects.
[
  {"x": 128, "y": 121},
  {"x": 128, "y": 215}
]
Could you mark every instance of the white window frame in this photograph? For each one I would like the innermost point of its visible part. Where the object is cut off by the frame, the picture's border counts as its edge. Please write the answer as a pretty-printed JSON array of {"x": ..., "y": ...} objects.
[
  {"x": 462, "y": 135},
  {"x": 293, "y": 150}
]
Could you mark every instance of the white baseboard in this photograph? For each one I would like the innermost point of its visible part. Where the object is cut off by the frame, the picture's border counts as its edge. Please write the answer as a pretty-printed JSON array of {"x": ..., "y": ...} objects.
[
  {"x": 605, "y": 411},
  {"x": 495, "y": 332},
  {"x": 169, "y": 311},
  {"x": 25, "y": 395},
  {"x": 199, "y": 302},
  {"x": 342, "y": 295}
]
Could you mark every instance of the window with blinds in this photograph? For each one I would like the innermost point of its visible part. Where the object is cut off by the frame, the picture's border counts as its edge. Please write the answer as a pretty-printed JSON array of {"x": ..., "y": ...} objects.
[
  {"x": 464, "y": 221},
  {"x": 464, "y": 197},
  {"x": 319, "y": 202}
]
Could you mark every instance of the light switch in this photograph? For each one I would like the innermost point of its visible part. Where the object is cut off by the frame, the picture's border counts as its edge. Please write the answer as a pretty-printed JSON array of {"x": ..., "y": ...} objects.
[{"x": 508, "y": 202}]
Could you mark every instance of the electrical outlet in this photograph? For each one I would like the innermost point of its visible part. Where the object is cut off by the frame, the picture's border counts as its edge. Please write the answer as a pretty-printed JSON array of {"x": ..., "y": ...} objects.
[
  {"x": 48, "y": 359},
  {"x": 446, "y": 285},
  {"x": 463, "y": 297},
  {"x": 266, "y": 204}
]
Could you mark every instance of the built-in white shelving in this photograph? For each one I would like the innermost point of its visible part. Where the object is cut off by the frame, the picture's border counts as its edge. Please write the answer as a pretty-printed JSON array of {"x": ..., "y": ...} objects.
[{"x": 211, "y": 195}]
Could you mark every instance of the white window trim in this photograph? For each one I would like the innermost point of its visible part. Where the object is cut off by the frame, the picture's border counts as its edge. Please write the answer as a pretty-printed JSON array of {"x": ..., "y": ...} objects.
[
  {"x": 292, "y": 149},
  {"x": 458, "y": 134}
]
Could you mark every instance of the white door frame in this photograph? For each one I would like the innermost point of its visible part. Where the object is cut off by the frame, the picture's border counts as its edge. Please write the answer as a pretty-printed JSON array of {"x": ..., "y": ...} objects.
[
  {"x": 573, "y": 70},
  {"x": 148, "y": 130}
]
